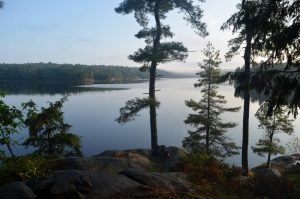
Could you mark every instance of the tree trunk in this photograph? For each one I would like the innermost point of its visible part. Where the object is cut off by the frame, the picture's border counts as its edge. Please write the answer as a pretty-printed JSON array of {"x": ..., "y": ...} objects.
[
  {"x": 269, "y": 152},
  {"x": 208, "y": 110},
  {"x": 245, "y": 133},
  {"x": 247, "y": 58},
  {"x": 49, "y": 140},
  {"x": 271, "y": 140},
  {"x": 10, "y": 151},
  {"x": 156, "y": 44},
  {"x": 269, "y": 158},
  {"x": 153, "y": 120}
]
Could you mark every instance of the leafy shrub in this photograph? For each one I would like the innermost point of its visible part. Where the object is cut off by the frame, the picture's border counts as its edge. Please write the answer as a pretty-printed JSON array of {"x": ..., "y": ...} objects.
[
  {"x": 48, "y": 132},
  {"x": 203, "y": 169},
  {"x": 216, "y": 177},
  {"x": 292, "y": 175},
  {"x": 27, "y": 167}
]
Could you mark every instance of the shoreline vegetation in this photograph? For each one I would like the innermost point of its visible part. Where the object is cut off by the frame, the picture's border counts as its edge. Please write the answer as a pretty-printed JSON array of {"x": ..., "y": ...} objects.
[
  {"x": 52, "y": 78},
  {"x": 75, "y": 74}
]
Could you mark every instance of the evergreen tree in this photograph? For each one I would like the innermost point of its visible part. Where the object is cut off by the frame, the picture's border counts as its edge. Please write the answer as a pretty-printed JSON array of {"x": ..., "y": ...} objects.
[
  {"x": 157, "y": 52},
  {"x": 252, "y": 23},
  {"x": 243, "y": 21},
  {"x": 209, "y": 135},
  {"x": 279, "y": 122},
  {"x": 269, "y": 29},
  {"x": 279, "y": 43},
  {"x": 48, "y": 132}
]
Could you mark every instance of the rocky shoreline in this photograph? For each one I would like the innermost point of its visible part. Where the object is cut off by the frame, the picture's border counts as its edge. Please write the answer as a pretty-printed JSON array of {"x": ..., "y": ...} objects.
[
  {"x": 111, "y": 174},
  {"x": 125, "y": 174}
]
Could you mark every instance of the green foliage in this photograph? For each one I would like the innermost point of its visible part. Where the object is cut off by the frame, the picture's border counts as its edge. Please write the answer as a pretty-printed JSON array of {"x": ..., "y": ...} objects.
[
  {"x": 26, "y": 168},
  {"x": 262, "y": 20},
  {"x": 155, "y": 51},
  {"x": 168, "y": 52},
  {"x": 279, "y": 122},
  {"x": 132, "y": 107},
  {"x": 293, "y": 176},
  {"x": 265, "y": 145},
  {"x": 217, "y": 179},
  {"x": 210, "y": 129},
  {"x": 11, "y": 120},
  {"x": 142, "y": 8},
  {"x": 278, "y": 86},
  {"x": 76, "y": 74},
  {"x": 48, "y": 132},
  {"x": 273, "y": 31},
  {"x": 203, "y": 168},
  {"x": 268, "y": 29}
]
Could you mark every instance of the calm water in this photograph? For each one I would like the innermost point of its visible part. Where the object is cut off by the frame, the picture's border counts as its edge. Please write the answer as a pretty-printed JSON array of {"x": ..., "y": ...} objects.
[{"x": 92, "y": 112}]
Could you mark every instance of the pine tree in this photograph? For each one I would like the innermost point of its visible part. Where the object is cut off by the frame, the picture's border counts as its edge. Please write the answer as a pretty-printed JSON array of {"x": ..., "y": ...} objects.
[
  {"x": 155, "y": 51},
  {"x": 253, "y": 23},
  {"x": 209, "y": 135},
  {"x": 278, "y": 122}
]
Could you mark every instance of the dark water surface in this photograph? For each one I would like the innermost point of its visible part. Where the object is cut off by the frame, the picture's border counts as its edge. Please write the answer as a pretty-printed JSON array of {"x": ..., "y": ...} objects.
[{"x": 92, "y": 111}]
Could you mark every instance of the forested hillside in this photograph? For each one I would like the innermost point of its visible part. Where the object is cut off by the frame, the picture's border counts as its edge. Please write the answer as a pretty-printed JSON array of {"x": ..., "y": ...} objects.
[{"x": 83, "y": 74}]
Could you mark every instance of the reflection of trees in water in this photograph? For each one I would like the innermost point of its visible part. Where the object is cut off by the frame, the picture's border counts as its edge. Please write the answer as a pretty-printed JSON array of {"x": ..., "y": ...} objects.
[
  {"x": 278, "y": 87},
  {"x": 25, "y": 87}
]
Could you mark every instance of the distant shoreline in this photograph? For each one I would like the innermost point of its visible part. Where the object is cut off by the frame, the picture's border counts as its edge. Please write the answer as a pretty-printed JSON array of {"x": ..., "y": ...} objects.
[{"x": 51, "y": 73}]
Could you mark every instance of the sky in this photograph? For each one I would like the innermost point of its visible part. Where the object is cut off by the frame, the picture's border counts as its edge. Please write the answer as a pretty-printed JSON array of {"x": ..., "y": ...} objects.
[{"x": 70, "y": 31}]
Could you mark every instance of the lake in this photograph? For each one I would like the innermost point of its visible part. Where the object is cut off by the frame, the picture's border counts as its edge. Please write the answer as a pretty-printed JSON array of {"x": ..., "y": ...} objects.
[{"x": 92, "y": 111}]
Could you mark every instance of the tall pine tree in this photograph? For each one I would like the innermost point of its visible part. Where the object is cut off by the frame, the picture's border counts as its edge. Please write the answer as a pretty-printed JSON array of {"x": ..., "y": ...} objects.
[
  {"x": 209, "y": 136},
  {"x": 155, "y": 51},
  {"x": 252, "y": 23},
  {"x": 270, "y": 29}
]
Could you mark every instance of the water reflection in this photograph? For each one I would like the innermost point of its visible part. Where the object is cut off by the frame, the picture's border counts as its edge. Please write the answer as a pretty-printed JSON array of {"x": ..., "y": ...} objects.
[
  {"x": 93, "y": 115},
  {"x": 51, "y": 88}
]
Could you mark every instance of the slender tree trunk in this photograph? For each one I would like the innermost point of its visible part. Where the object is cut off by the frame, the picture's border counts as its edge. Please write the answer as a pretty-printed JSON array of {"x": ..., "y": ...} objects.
[
  {"x": 247, "y": 58},
  {"x": 269, "y": 153},
  {"x": 153, "y": 119},
  {"x": 10, "y": 151},
  {"x": 269, "y": 157},
  {"x": 156, "y": 44},
  {"x": 245, "y": 133},
  {"x": 50, "y": 150},
  {"x": 271, "y": 140},
  {"x": 208, "y": 111},
  {"x": 207, "y": 135}
]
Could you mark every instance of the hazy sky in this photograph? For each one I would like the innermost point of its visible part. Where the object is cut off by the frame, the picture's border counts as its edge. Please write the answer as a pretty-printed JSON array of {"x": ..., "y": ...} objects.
[{"x": 70, "y": 31}]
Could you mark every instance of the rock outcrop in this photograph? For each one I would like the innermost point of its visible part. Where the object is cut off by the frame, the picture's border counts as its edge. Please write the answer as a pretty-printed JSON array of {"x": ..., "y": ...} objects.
[
  {"x": 286, "y": 161},
  {"x": 141, "y": 158},
  {"x": 75, "y": 184},
  {"x": 109, "y": 175},
  {"x": 269, "y": 183},
  {"x": 16, "y": 190}
]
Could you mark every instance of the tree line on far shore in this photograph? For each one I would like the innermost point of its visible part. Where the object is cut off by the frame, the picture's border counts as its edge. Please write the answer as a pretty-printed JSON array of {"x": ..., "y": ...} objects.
[{"x": 80, "y": 74}]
